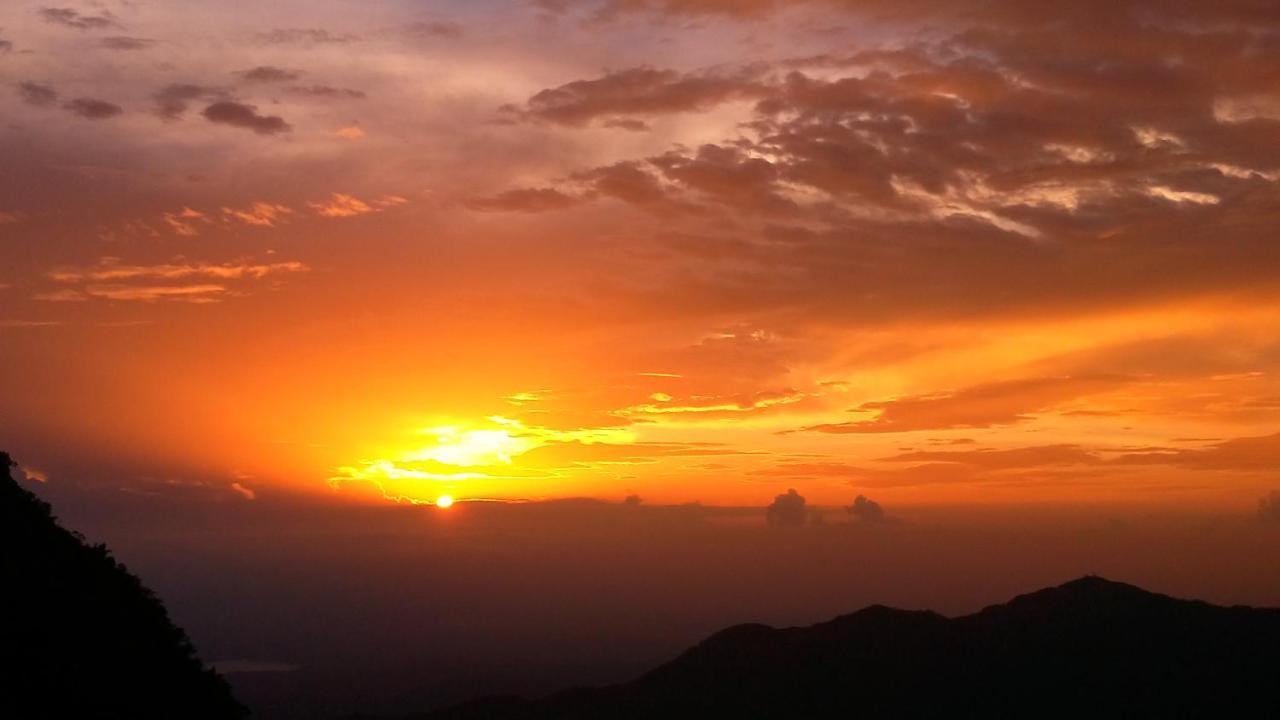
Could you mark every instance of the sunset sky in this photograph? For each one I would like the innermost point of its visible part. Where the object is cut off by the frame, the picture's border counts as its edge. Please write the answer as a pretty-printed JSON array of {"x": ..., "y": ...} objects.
[{"x": 961, "y": 252}]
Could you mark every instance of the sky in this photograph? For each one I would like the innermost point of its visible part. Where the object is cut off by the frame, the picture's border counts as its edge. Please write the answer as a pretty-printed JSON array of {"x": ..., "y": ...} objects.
[
  {"x": 696, "y": 251},
  {"x": 626, "y": 273}
]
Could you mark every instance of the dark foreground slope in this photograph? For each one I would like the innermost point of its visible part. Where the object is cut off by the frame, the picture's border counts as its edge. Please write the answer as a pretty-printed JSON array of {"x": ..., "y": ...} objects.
[
  {"x": 1089, "y": 648},
  {"x": 80, "y": 637}
]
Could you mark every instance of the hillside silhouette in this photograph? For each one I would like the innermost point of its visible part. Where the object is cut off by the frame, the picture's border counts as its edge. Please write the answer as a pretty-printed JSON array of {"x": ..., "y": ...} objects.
[
  {"x": 1089, "y": 648},
  {"x": 81, "y": 637}
]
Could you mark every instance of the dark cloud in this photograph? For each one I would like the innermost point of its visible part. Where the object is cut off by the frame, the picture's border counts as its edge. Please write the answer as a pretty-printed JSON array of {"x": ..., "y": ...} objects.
[
  {"x": 245, "y": 116},
  {"x": 630, "y": 124},
  {"x": 126, "y": 43},
  {"x": 37, "y": 94},
  {"x": 727, "y": 176},
  {"x": 174, "y": 100},
  {"x": 5, "y": 45},
  {"x": 93, "y": 109},
  {"x": 423, "y": 30},
  {"x": 326, "y": 92},
  {"x": 1037, "y": 165},
  {"x": 787, "y": 510},
  {"x": 636, "y": 183},
  {"x": 67, "y": 17},
  {"x": 1242, "y": 454},
  {"x": 525, "y": 200},
  {"x": 638, "y": 91},
  {"x": 865, "y": 509},
  {"x": 315, "y": 36},
  {"x": 268, "y": 74}
]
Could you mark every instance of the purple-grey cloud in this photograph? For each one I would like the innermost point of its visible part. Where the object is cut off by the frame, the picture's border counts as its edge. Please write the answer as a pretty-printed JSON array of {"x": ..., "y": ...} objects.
[
  {"x": 93, "y": 108},
  {"x": 244, "y": 116}
]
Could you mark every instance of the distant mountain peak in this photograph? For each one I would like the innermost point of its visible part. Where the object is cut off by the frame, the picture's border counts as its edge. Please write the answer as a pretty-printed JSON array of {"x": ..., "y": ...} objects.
[{"x": 1089, "y": 647}]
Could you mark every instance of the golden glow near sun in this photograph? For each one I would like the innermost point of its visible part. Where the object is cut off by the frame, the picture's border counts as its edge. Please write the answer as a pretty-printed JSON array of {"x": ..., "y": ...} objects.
[
  {"x": 469, "y": 448},
  {"x": 444, "y": 502},
  {"x": 496, "y": 455}
]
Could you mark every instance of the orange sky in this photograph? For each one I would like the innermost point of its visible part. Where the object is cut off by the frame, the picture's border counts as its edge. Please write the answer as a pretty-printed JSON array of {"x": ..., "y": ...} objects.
[{"x": 693, "y": 250}]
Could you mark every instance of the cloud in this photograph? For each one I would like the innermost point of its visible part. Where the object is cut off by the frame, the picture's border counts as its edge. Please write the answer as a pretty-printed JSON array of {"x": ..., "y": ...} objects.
[
  {"x": 175, "y": 99},
  {"x": 120, "y": 42},
  {"x": 972, "y": 131},
  {"x": 575, "y": 453},
  {"x": 866, "y": 510},
  {"x": 201, "y": 293},
  {"x": 288, "y": 36},
  {"x": 67, "y": 17},
  {"x": 529, "y": 200},
  {"x": 437, "y": 29},
  {"x": 111, "y": 270},
  {"x": 175, "y": 282},
  {"x": 1269, "y": 507},
  {"x": 184, "y": 221},
  {"x": 980, "y": 406},
  {"x": 718, "y": 406},
  {"x": 261, "y": 214},
  {"x": 351, "y": 132},
  {"x": 787, "y": 510},
  {"x": 268, "y": 74},
  {"x": 990, "y": 459},
  {"x": 637, "y": 91},
  {"x": 93, "y": 109},
  {"x": 244, "y": 116},
  {"x": 326, "y": 92},
  {"x": 1261, "y": 453},
  {"x": 341, "y": 205},
  {"x": 37, "y": 94},
  {"x": 861, "y": 476},
  {"x": 35, "y": 475},
  {"x": 636, "y": 184},
  {"x": 243, "y": 491},
  {"x": 630, "y": 124},
  {"x": 11, "y": 323},
  {"x": 63, "y": 295}
]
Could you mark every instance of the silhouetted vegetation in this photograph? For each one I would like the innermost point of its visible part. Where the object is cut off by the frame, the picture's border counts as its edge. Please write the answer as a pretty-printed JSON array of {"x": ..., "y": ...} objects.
[
  {"x": 81, "y": 637},
  {"x": 1090, "y": 648}
]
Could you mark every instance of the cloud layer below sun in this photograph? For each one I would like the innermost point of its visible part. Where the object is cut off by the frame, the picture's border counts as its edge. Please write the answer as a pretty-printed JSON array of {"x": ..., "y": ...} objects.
[{"x": 984, "y": 252}]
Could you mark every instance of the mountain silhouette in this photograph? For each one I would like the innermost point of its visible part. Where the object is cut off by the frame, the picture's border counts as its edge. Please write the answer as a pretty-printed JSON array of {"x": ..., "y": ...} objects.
[
  {"x": 1089, "y": 648},
  {"x": 81, "y": 637}
]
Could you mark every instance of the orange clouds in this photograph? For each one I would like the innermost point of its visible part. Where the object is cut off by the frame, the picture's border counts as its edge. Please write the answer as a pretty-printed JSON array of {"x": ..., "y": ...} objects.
[
  {"x": 637, "y": 91},
  {"x": 985, "y": 405},
  {"x": 105, "y": 280},
  {"x": 341, "y": 205},
  {"x": 262, "y": 214}
]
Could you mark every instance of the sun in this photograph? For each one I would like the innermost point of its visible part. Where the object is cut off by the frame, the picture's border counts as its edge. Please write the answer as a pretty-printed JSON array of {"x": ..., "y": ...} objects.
[{"x": 444, "y": 502}]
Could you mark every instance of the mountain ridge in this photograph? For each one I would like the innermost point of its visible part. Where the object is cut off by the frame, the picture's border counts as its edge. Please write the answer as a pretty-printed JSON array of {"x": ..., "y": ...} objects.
[
  {"x": 1089, "y": 646},
  {"x": 81, "y": 636}
]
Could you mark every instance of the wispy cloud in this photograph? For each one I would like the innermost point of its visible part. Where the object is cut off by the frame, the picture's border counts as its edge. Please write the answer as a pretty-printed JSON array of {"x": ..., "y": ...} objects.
[
  {"x": 69, "y": 17},
  {"x": 262, "y": 214}
]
